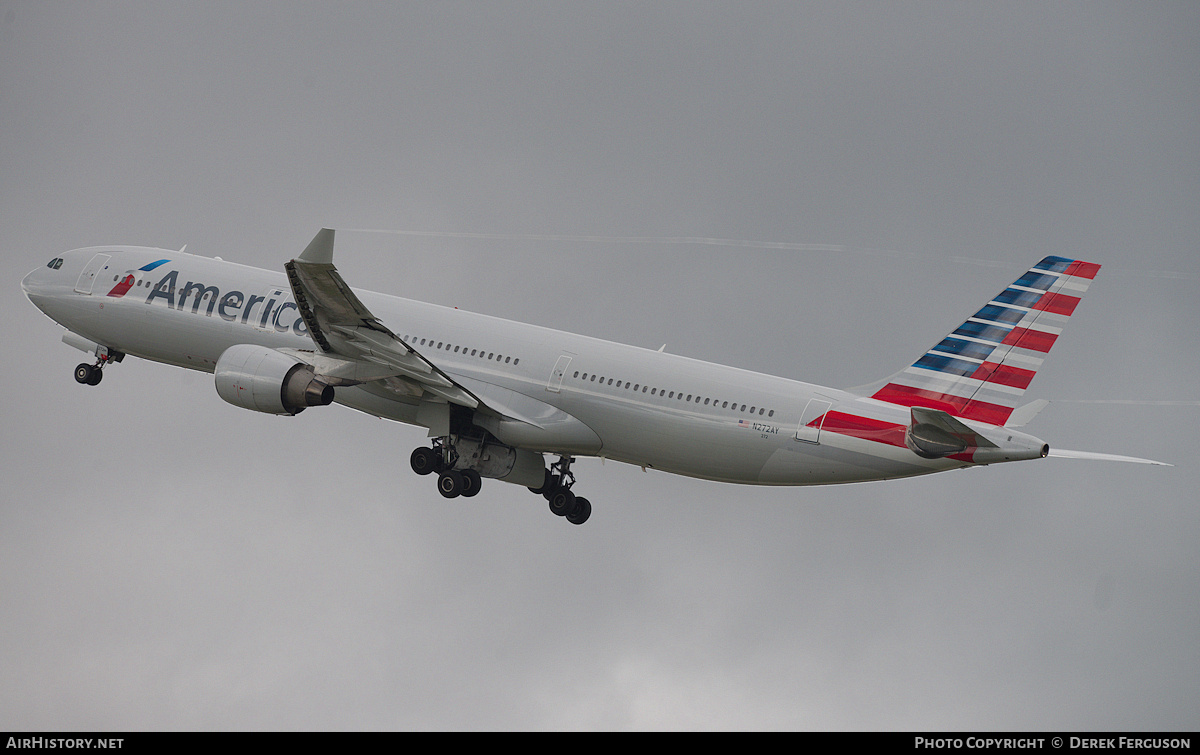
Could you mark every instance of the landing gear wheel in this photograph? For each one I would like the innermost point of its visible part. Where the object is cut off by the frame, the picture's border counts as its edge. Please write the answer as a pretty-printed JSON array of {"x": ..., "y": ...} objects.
[
  {"x": 97, "y": 375},
  {"x": 450, "y": 484},
  {"x": 424, "y": 461},
  {"x": 583, "y": 509},
  {"x": 83, "y": 374},
  {"x": 471, "y": 482},
  {"x": 563, "y": 502},
  {"x": 551, "y": 487}
]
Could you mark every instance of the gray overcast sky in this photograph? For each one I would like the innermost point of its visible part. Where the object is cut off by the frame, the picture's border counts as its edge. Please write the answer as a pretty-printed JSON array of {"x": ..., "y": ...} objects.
[{"x": 168, "y": 561}]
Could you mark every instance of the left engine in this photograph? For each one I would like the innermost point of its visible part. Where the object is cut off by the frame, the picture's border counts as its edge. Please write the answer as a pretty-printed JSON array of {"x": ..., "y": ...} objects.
[{"x": 266, "y": 380}]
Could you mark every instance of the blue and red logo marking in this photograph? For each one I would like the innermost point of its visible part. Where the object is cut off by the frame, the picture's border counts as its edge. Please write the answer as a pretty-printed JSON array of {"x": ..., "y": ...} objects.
[{"x": 127, "y": 282}]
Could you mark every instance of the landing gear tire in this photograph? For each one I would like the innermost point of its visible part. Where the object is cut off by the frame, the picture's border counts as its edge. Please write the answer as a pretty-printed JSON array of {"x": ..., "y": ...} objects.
[
  {"x": 562, "y": 502},
  {"x": 471, "y": 482},
  {"x": 583, "y": 509},
  {"x": 450, "y": 484},
  {"x": 84, "y": 374},
  {"x": 423, "y": 461}
]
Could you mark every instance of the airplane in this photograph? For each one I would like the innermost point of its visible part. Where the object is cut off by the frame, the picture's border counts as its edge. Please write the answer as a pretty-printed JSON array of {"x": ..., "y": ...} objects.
[{"x": 498, "y": 396}]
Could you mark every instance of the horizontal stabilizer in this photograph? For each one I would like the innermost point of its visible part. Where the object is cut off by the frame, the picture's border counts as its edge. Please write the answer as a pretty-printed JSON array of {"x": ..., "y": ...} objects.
[
  {"x": 946, "y": 423},
  {"x": 1023, "y": 415},
  {"x": 1062, "y": 453}
]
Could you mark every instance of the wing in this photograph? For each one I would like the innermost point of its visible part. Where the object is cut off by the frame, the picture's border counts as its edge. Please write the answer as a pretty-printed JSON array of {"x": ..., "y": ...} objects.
[{"x": 355, "y": 346}]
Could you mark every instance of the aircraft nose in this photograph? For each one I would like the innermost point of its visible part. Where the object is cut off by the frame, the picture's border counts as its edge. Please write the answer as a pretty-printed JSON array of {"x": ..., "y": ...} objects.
[
  {"x": 28, "y": 283},
  {"x": 36, "y": 285}
]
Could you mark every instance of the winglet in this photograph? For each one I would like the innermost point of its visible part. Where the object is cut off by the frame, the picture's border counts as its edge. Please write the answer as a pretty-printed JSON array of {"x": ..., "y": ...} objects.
[{"x": 320, "y": 249}]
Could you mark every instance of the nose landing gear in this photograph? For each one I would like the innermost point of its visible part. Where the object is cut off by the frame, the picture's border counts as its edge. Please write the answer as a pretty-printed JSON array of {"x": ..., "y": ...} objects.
[
  {"x": 86, "y": 374},
  {"x": 92, "y": 374}
]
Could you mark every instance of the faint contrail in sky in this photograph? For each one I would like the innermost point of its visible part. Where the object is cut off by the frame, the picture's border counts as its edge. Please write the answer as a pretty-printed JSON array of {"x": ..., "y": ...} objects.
[
  {"x": 698, "y": 240},
  {"x": 737, "y": 243}
]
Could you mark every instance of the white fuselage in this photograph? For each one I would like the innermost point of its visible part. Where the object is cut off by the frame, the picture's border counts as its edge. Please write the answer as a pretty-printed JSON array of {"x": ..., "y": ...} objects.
[{"x": 643, "y": 407}]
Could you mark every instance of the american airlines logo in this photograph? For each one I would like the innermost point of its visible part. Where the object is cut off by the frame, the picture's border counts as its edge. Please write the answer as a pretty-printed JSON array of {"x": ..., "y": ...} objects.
[
  {"x": 232, "y": 306},
  {"x": 127, "y": 282}
]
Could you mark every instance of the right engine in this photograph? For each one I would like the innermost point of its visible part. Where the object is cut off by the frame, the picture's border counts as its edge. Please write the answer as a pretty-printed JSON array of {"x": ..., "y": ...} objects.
[{"x": 266, "y": 380}]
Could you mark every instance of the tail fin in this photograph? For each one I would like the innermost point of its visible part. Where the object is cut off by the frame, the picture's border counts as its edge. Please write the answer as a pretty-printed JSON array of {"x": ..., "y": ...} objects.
[{"x": 981, "y": 370}]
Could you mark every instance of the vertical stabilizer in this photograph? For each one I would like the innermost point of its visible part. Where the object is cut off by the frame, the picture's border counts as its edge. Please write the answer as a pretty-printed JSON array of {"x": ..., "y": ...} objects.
[{"x": 981, "y": 370}]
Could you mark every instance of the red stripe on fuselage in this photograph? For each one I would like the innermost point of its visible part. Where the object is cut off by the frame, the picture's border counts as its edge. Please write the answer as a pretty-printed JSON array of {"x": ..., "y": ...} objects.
[
  {"x": 123, "y": 287},
  {"x": 862, "y": 427},
  {"x": 875, "y": 430}
]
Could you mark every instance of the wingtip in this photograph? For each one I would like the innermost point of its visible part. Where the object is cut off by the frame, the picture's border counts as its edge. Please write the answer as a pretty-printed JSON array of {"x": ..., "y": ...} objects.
[{"x": 320, "y": 249}]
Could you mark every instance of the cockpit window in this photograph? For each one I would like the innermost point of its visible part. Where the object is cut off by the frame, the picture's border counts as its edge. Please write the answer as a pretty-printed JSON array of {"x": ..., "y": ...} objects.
[{"x": 55, "y": 263}]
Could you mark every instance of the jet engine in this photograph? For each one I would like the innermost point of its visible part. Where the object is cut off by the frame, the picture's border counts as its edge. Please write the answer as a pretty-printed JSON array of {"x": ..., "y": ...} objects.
[{"x": 266, "y": 380}]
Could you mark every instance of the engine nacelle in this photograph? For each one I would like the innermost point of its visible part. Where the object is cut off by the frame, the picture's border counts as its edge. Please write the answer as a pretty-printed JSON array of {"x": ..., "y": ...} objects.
[{"x": 266, "y": 380}]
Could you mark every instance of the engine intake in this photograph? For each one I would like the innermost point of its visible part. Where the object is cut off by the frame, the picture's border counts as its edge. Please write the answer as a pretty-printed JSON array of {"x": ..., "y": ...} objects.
[{"x": 266, "y": 380}]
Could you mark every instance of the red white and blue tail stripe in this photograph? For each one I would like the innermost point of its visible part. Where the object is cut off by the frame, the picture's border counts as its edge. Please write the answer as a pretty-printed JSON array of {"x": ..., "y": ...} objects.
[{"x": 981, "y": 370}]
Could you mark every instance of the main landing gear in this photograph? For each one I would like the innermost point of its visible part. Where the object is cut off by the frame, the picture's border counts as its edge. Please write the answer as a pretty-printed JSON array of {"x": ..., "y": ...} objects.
[
  {"x": 556, "y": 489},
  {"x": 451, "y": 482}
]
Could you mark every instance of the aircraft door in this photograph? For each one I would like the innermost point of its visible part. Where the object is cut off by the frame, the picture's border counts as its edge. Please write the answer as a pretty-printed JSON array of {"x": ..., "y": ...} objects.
[
  {"x": 554, "y": 384},
  {"x": 88, "y": 276},
  {"x": 814, "y": 410}
]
